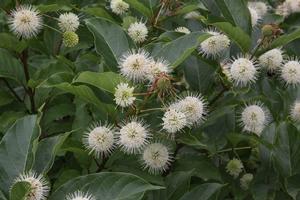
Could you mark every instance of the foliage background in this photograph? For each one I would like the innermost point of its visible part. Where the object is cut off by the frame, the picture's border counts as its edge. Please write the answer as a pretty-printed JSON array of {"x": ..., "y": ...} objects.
[{"x": 72, "y": 87}]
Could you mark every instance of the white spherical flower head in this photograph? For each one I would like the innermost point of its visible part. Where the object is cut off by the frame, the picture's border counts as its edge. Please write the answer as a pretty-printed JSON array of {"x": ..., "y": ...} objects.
[
  {"x": 293, "y": 5},
  {"x": 215, "y": 45},
  {"x": 255, "y": 17},
  {"x": 25, "y": 22},
  {"x": 39, "y": 187},
  {"x": 283, "y": 9},
  {"x": 174, "y": 121},
  {"x": 135, "y": 65},
  {"x": 272, "y": 60},
  {"x": 138, "y": 32},
  {"x": 119, "y": 7},
  {"x": 68, "y": 22},
  {"x": 254, "y": 118},
  {"x": 243, "y": 71},
  {"x": 100, "y": 140},
  {"x": 260, "y": 7},
  {"x": 156, "y": 158},
  {"x": 124, "y": 95},
  {"x": 156, "y": 68},
  {"x": 234, "y": 167},
  {"x": 78, "y": 195},
  {"x": 182, "y": 29},
  {"x": 290, "y": 72},
  {"x": 193, "y": 107},
  {"x": 133, "y": 136},
  {"x": 295, "y": 111},
  {"x": 246, "y": 181}
]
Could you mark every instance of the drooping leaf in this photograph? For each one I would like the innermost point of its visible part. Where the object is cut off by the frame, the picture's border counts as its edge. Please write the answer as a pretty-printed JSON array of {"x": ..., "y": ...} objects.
[
  {"x": 106, "y": 81},
  {"x": 107, "y": 186},
  {"x": 140, "y": 7}
]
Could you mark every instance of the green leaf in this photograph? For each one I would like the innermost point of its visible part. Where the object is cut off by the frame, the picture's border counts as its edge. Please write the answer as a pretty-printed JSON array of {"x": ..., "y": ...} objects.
[
  {"x": 106, "y": 81},
  {"x": 46, "y": 152},
  {"x": 237, "y": 13},
  {"x": 53, "y": 8},
  {"x": 10, "y": 42},
  {"x": 110, "y": 40},
  {"x": 203, "y": 192},
  {"x": 11, "y": 68},
  {"x": 107, "y": 186},
  {"x": 87, "y": 94},
  {"x": 235, "y": 34},
  {"x": 5, "y": 98},
  {"x": 16, "y": 150},
  {"x": 282, "y": 41},
  {"x": 98, "y": 12},
  {"x": 177, "y": 184},
  {"x": 178, "y": 50},
  {"x": 140, "y": 7},
  {"x": 19, "y": 191}
]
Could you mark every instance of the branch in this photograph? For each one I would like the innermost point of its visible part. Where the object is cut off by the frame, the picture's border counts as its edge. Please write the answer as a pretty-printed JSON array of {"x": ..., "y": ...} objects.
[{"x": 29, "y": 91}]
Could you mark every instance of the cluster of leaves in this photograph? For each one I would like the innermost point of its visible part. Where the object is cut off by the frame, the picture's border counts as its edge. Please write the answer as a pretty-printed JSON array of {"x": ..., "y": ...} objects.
[{"x": 50, "y": 94}]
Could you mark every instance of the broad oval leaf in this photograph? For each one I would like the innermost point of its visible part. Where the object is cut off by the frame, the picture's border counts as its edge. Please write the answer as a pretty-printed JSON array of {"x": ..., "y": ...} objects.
[
  {"x": 178, "y": 50},
  {"x": 203, "y": 192},
  {"x": 110, "y": 40},
  {"x": 107, "y": 186},
  {"x": 16, "y": 150},
  {"x": 106, "y": 81},
  {"x": 140, "y": 7}
]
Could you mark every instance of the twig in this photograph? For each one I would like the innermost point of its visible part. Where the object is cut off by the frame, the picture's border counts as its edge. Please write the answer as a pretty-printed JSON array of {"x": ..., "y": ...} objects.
[
  {"x": 102, "y": 165},
  {"x": 12, "y": 90},
  {"x": 29, "y": 91}
]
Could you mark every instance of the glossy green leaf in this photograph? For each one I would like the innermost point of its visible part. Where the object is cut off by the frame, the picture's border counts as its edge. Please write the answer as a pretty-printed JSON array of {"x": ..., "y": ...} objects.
[
  {"x": 140, "y": 7},
  {"x": 235, "y": 34},
  {"x": 178, "y": 50},
  {"x": 98, "y": 12},
  {"x": 106, "y": 81},
  {"x": 107, "y": 186},
  {"x": 11, "y": 68},
  {"x": 237, "y": 13},
  {"x": 203, "y": 192},
  {"x": 16, "y": 150},
  {"x": 10, "y": 42},
  {"x": 110, "y": 40},
  {"x": 19, "y": 191}
]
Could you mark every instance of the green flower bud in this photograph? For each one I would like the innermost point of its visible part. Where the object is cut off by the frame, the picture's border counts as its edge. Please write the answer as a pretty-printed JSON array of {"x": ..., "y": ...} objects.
[
  {"x": 70, "y": 39},
  {"x": 267, "y": 30},
  {"x": 234, "y": 167},
  {"x": 246, "y": 180}
]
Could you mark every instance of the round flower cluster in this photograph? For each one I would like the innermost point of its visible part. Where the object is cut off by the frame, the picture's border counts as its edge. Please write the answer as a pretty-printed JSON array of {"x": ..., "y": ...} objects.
[
  {"x": 69, "y": 23},
  {"x": 138, "y": 32},
  {"x": 119, "y": 7},
  {"x": 124, "y": 95},
  {"x": 78, "y": 195},
  {"x": 288, "y": 7},
  {"x": 234, "y": 167}
]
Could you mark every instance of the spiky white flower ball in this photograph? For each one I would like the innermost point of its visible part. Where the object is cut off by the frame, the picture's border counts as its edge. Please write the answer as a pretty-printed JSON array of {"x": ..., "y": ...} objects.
[
  {"x": 272, "y": 60},
  {"x": 138, "y": 32},
  {"x": 25, "y": 21},
  {"x": 156, "y": 158},
  {"x": 215, "y": 45},
  {"x": 39, "y": 187},
  {"x": 246, "y": 181},
  {"x": 99, "y": 140},
  {"x": 156, "y": 68},
  {"x": 133, "y": 136},
  {"x": 254, "y": 118},
  {"x": 295, "y": 111},
  {"x": 134, "y": 65},
  {"x": 234, "y": 167},
  {"x": 192, "y": 15},
  {"x": 78, "y": 195},
  {"x": 68, "y": 22},
  {"x": 260, "y": 7},
  {"x": 293, "y": 5},
  {"x": 174, "y": 121},
  {"x": 124, "y": 95},
  {"x": 183, "y": 29},
  {"x": 119, "y": 7},
  {"x": 290, "y": 72},
  {"x": 243, "y": 71},
  {"x": 255, "y": 17},
  {"x": 194, "y": 108},
  {"x": 283, "y": 9}
]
